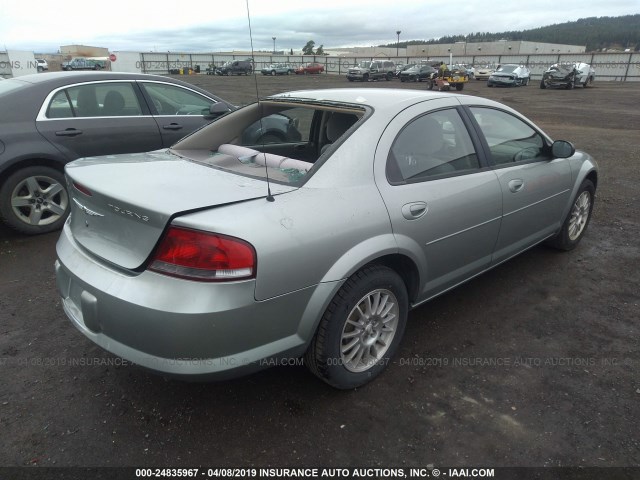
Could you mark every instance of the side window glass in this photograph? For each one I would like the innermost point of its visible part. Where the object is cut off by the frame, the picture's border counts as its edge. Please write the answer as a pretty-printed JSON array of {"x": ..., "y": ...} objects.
[
  {"x": 60, "y": 106},
  {"x": 174, "y": 100},
  {"x": 510, "y": 139},
  {"x": 107, "y": 99},
  {"x": 434, "y": 144}
]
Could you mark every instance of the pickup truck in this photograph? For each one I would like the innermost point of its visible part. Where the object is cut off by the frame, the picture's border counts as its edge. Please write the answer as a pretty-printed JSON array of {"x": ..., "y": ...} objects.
[{"x": 83, "y": 64}]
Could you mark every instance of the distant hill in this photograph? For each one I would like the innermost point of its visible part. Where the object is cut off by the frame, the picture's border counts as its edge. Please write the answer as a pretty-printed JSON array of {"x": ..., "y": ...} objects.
[{"x": 597, "y": 33}]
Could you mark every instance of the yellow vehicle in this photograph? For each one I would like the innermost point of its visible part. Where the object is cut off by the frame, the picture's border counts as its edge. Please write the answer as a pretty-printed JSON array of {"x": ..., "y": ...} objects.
[{"x": 448, "y": 78}]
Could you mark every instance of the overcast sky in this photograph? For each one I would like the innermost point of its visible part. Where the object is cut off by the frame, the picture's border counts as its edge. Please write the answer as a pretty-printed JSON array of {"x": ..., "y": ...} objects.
[{"x": 222, "y": 25}]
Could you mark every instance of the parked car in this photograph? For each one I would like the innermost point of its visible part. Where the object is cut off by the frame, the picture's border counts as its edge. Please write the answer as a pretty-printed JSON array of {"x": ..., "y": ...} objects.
[
  {"x": 483, "y": 73},
  {"x": 41, "y": 65},
  {"x": 568, "y": 75},
  {"x": 401, "y": 68},
  {"x": 276, "y": 69},
  {"x": 372, "y": 70},
  {"x": 51, "y": 119},
  {"x": 468, "y": 69},
  {"x": 84, "y": 64},
  {"x": 309, "y": 68},
  {"x": 510, "y": 76},
  {"x": 248, "y": 254},
  {"x": 418, "y": 73},
  {"x": 235, "y": 67}
]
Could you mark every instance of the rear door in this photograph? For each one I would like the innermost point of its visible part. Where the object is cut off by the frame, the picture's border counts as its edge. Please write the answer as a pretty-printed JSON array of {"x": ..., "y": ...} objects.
[
  {"x": 444, "y": 203},
  {"x": 178, "y": 110},
  {"x": 98, "y": 118}
]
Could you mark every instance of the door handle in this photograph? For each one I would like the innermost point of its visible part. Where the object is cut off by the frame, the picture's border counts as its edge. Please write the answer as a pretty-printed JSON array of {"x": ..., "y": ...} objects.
[
  {"x": 69, "y": 132},
  {"x": 516, "y": 185},
  {"x": 414, "y": 210},
  {"x": 173, "y": 126}
]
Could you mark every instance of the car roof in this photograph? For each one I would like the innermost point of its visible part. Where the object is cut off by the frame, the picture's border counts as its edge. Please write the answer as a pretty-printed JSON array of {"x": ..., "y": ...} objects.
[
  {"x": 388, "y": 101},
  {"x": 373, "y": 97},
  {"x": 63, "y": 78}
]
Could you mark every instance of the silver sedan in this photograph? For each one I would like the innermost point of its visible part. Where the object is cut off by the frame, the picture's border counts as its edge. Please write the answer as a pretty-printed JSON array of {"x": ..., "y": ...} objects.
[{"x": 218, "y": 257}]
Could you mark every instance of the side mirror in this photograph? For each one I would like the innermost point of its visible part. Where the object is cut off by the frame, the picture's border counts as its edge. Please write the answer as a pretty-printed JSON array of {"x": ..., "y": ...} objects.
[
  {"x": 217, "y": 109},
  {"x": 562, "y": 149}
]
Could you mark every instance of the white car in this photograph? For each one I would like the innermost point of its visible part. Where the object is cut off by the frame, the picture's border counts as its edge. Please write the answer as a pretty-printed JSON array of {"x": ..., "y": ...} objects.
[
  {"x": 585, "y": 74},
  {"x": 483, "y": 73},
  {"x": 42, "y": 64},
  {"x": 510, "y": 75}
]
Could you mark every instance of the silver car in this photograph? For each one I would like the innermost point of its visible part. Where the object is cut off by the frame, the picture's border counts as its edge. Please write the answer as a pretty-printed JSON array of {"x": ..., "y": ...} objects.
[
  {"x": 510, "y": 76},
  {"x": 217, "y": 257}
]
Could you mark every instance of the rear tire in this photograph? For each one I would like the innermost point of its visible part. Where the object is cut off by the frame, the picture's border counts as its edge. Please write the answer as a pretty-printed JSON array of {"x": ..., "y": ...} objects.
[
  {"x": 34, "y": 200},
  {"x": 361, "y": 329},
  {"x": 577, "y": 220}
]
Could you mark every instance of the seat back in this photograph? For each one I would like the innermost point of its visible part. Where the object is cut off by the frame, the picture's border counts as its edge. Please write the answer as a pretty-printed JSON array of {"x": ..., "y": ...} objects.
[
  {"x": 336, "y": 126},
  {"x": 86, "y": 103},
  {"x": 113, "y": 103}
]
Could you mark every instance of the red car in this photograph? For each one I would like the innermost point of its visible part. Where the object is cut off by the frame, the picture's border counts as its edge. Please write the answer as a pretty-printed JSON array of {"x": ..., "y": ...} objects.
[{"x": 310, "y": 68}]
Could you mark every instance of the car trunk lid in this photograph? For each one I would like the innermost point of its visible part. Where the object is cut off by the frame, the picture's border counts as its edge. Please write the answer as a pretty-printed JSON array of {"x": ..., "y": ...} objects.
[{"x": 121, "y": 204}]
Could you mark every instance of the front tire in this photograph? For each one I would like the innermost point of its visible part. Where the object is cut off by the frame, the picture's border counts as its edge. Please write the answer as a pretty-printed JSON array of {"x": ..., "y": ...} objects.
[
  {"x": 577, "y": 220},
  {"x": 361, "y": 329},
  {"x": 34, "y": 200}
]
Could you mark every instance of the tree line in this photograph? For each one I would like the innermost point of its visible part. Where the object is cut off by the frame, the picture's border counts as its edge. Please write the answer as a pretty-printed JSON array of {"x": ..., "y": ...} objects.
[{"x": 596, "y": 33}]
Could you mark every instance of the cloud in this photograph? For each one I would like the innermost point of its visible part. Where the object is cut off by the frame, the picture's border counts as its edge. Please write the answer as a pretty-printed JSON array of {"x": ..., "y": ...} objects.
[{"x": 146, "y": 25}]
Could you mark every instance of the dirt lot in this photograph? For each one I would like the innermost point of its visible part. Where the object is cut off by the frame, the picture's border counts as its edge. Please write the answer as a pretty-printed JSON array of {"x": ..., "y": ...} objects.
[{"x": 535, "y": 363}]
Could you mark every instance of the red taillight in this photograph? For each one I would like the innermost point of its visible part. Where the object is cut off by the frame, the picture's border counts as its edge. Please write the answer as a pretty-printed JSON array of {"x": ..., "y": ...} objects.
[
  {"x": 204, "y": 256},
  {"x": 82, "y": 188}
]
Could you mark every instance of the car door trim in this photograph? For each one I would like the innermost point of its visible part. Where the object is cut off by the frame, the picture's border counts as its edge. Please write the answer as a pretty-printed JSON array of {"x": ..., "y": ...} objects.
[
  {"x": 536, "y": 203},
  {"x": 486, "y": 222}
]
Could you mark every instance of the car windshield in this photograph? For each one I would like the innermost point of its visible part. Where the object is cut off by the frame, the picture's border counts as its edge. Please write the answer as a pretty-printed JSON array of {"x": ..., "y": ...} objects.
[
  {"x": 507, "y": 68},
  {"x": 279, "y": 139},
  {"x": 364, "y": 64}
]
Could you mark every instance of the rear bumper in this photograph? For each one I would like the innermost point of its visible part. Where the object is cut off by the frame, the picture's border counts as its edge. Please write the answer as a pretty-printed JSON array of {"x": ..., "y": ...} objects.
[{"x": 183, "y": 328}]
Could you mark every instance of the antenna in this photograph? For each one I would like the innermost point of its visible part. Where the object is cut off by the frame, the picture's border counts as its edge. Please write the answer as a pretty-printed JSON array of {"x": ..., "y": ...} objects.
[{"x": 270, "y": 197}]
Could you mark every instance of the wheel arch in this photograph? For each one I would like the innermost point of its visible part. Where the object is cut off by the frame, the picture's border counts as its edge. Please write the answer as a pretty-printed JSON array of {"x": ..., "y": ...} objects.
[
  {"x": 593, "y": 177},
  {"x": 37, "y": 161},
  {"x": 406, "y": 269},
  {"x": 381, "y": 250}
]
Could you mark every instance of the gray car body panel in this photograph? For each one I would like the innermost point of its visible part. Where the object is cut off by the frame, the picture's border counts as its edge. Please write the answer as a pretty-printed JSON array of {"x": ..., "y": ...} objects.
[{"x": 309, "y": 240}]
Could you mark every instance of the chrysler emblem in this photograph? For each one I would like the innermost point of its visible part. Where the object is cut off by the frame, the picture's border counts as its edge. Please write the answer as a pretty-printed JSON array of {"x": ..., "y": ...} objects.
[{"x": 86, "y": 210}]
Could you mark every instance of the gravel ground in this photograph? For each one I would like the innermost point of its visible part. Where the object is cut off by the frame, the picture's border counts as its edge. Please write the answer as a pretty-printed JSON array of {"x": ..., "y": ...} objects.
[{"x": 532, "y": 364}]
